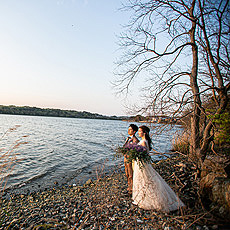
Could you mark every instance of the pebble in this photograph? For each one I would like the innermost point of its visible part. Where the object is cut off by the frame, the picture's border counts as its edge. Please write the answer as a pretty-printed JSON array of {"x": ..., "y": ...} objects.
[
  {"x": 102, "y": 204},
  {"x": 140, "y": 221}
]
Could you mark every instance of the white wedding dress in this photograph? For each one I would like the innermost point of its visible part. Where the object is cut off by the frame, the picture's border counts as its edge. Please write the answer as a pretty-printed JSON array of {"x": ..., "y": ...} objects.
[{"x": 150, "y": 191}]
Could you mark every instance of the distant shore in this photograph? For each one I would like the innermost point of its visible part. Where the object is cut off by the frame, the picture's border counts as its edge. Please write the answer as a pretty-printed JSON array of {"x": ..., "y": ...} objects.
[{"x": 48, "y": 112}]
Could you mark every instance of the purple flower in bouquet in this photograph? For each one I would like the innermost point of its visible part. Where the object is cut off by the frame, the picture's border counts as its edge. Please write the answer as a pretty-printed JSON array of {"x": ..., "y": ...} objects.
[
  {"x": 135, "y": 152},
  {"x": 138, "y": 148}
]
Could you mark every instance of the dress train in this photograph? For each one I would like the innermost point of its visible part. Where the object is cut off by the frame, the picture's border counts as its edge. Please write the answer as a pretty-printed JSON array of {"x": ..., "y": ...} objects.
[{"x": 150, "y": 191}]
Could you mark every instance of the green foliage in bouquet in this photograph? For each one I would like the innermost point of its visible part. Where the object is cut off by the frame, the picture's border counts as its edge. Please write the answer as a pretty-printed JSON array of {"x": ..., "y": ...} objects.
[{"x": 134, "y": 152}]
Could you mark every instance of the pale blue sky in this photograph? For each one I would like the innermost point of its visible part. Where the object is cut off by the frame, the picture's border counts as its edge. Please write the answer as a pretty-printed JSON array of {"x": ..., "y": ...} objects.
[{"x": 60, "y": 54}]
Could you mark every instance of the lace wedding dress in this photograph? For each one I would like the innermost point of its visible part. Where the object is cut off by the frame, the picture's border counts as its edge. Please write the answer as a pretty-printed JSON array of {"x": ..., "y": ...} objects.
[{"x": 150, "y": 191}]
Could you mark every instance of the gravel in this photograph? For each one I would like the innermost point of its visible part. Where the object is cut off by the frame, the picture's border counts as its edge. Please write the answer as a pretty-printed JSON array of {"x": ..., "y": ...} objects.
[{"x": 105, "y": 204}]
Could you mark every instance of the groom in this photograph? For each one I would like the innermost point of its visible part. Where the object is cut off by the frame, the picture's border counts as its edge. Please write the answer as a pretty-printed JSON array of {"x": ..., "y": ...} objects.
[{"x": 128, "y": 165}]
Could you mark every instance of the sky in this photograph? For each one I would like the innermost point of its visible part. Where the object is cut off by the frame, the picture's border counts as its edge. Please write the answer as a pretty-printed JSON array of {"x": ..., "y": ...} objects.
[{"x": 60, "y": 54}]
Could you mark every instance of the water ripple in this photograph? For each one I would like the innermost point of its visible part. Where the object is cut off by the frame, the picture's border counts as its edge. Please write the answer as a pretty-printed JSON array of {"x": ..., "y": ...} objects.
[{"x": 62, "y": 148}]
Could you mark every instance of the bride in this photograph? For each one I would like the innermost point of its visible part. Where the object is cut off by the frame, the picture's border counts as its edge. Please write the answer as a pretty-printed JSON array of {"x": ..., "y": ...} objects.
[{"x": 150, "y": 191}]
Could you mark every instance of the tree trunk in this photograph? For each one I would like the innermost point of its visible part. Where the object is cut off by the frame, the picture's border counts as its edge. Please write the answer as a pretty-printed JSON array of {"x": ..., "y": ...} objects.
[
  {"x": 207, "y": 137},
  {"x": 194, "y": 152}
]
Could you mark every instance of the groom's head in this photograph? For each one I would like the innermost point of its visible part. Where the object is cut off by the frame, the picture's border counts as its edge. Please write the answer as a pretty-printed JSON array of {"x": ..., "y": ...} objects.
[{"x": 132, "y": 129}]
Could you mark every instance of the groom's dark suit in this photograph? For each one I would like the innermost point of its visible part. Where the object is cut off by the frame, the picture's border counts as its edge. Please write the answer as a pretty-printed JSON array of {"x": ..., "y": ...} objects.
[{"x": 128, "y": 165}]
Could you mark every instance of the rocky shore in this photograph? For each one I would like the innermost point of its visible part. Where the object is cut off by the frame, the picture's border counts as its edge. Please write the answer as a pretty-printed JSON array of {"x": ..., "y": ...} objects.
[{"x": 105, "y": 204}]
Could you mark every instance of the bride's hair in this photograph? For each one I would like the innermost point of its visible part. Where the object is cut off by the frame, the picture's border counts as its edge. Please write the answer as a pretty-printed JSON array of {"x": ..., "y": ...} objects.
[{"x": 146, "y": 131}]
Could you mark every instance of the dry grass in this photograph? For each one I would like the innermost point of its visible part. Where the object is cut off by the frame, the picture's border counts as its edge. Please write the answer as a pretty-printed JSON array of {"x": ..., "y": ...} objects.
[
  {"x": 8, "y": 158},
  {"x": 180, "y": 143}
]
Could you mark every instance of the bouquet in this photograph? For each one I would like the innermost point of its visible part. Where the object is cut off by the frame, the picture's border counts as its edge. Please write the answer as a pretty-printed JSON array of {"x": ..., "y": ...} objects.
[{"x": 134, "y": 152}]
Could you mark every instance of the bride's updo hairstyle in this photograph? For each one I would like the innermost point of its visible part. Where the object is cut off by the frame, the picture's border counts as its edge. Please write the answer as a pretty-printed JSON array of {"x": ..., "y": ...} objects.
[{"x": 146, "y": 131}]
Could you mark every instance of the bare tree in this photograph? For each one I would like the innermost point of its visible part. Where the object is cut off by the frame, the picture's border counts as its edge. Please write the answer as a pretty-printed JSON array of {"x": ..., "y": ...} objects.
[{"x": 183, "y": 48}]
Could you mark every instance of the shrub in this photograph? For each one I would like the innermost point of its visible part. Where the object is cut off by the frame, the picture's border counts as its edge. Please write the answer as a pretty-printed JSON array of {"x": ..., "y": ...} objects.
[{"x": 180, "y": 143}]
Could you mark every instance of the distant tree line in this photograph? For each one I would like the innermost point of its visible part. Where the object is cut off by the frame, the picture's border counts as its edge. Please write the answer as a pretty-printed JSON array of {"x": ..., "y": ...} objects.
[{"x": 34, "y": 111}]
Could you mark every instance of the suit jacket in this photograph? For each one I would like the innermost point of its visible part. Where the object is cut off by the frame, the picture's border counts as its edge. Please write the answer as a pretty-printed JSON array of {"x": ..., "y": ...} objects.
[{"x": 132, "y": 140}]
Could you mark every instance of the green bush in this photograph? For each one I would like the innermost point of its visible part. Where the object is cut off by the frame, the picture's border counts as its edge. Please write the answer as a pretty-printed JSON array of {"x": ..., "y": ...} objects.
[{"x": 222, "y": 128}]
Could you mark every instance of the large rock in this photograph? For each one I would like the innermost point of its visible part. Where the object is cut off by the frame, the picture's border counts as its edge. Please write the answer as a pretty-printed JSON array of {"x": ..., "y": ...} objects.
[
  {"x": 214, "y": 165},
  {"x": 221, "y": 196},
  {"x": 215, "y": 187}
]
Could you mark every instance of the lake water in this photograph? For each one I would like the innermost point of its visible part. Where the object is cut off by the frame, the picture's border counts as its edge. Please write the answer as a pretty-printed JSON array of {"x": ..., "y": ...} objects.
[{"x": 63, "y": 151}]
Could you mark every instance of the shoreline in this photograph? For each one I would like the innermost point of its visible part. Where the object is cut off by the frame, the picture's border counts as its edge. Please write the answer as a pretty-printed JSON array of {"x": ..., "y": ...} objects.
[
  {"x": 104, "y": 204},
  {"x": 78, "y": 177}
]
